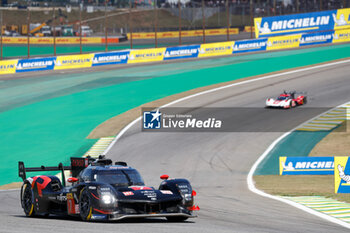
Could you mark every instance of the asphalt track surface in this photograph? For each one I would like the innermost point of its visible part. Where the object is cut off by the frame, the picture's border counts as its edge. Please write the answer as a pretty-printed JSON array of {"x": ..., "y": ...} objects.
[{"x": 217, "y": 165}]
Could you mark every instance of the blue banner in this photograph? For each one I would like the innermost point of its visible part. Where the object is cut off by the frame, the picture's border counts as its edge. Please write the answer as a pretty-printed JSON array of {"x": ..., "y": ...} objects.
[
  {"x": 316, "y": 38},
  {"x": 297, "y": 23},
  {"x": 306, "y": 165},
  {"x": 244, "y": 46},
  {"x": 110, "y": 58},
  {"x": 190, "y": 51},
  {"x": 35, "y": 64}
]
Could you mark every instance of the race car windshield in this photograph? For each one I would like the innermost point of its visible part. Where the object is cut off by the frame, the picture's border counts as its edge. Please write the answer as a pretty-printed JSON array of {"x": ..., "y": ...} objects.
[
  {"x": 119, "y": 177},
  {"x": 282, "y": 98}
]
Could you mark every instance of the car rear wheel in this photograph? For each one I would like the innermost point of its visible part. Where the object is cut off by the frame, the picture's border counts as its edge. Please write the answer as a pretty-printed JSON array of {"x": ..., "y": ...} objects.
[
  {"x": 305, "y": 100},
  {"x": 177, "y": 219},
  {"x": 85, "y": 205},
  {"x": 27, "y": 199}
]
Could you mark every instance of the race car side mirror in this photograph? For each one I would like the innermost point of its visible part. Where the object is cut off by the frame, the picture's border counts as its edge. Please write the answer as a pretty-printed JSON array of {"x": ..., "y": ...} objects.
[
  {"x": 164, "y": 177},
  {"x": 72, "y": 180}
]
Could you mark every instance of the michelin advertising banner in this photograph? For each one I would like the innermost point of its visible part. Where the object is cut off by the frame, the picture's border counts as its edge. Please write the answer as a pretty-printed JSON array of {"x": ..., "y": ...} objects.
[
  {"x": 302, "y": 23},
  {"x": 316, "y": 38},
  {"x": 111, "y": 58},
  {"x": 283, "y": 42},
  {"x": 306, "y": 165},
  {"x": 73, "y": 61},
  {"x": 146, "y": 55},
  {"x": 341, "y": 36},
  {"x": 216, "y": 49},
  {"x": 8, "y": 66},
  {"x": 342, "y": 175},
  {"x": 244, "y": 46},
  {"x": 36, "y": 64},
  {"x": 181, "y": 52}
]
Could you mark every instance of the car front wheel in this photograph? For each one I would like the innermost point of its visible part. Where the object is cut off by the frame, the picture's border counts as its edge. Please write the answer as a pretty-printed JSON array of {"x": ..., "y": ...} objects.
[
  {"x": 27, "y": 198},
  {"x": 85, "y": 205}
]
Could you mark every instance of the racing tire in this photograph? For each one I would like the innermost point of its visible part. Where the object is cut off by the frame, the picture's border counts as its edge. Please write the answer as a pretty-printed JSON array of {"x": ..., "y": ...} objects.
[
  {"x": 305, "y": 100},
  {"x": 85, "y": 205},
  {"x": 292, "y": 104},
  {"x": 27, "y": 200},
  {"x": 177, "y": 219}
]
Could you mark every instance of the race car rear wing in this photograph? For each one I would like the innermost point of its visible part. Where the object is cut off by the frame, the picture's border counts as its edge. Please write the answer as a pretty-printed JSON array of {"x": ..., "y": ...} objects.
[{"x": 77, "y": 165}]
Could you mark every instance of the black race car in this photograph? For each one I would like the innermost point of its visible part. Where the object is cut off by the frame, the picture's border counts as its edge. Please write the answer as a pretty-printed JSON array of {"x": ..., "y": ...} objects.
[{"x": 102, "y": 191}]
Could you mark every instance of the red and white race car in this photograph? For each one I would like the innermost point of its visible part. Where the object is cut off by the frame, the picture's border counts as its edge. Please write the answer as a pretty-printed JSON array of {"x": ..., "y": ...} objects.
[{"x": 286, "y": 100}]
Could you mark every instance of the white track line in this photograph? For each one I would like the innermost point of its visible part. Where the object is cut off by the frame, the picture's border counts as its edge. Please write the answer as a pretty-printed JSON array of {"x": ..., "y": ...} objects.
[{"x": 8, "y": 190}]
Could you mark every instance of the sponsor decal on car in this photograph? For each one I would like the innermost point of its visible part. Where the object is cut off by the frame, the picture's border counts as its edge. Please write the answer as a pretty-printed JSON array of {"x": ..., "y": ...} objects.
[
  {"x": 69, "y": 196},
  {"x": 129, "y": 193},
  {"x": 62, "y": 197},
  {"x": 166, "y": 192},
  {"x": 140, "y": 188},
  {"x": 150, "y": 194},
  {"x": 98, "y": 216}
]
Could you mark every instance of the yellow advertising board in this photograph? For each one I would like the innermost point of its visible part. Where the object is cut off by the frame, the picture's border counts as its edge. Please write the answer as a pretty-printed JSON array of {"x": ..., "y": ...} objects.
[
  {"x": 341, "y": 36},
  {"x": 76, "y": 40},
  {"x": 257, "y": 21},
  {"x": 49, "y": 40},
  {"x": 216, "y": 49},
  {"x": 221, "y": 31},
  {"x": 74, "y": 61},
  {"x": 342, "y": 20},
  {"x": 146, "y": 55},
  {"x": 187, "y": 33},
  {"x": 249, "y": 29},
  {"x": 283, "y": 42},
  {"x": 14, "y": 40},
  {"x": 8, "y": 66},
  {"x": 341, "y": 174}
]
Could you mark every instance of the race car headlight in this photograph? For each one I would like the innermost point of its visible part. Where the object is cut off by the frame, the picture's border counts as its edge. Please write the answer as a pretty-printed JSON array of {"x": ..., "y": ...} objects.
[
  {"x": 185, "y": 192},
  {"x": 107, "y": 198}
]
